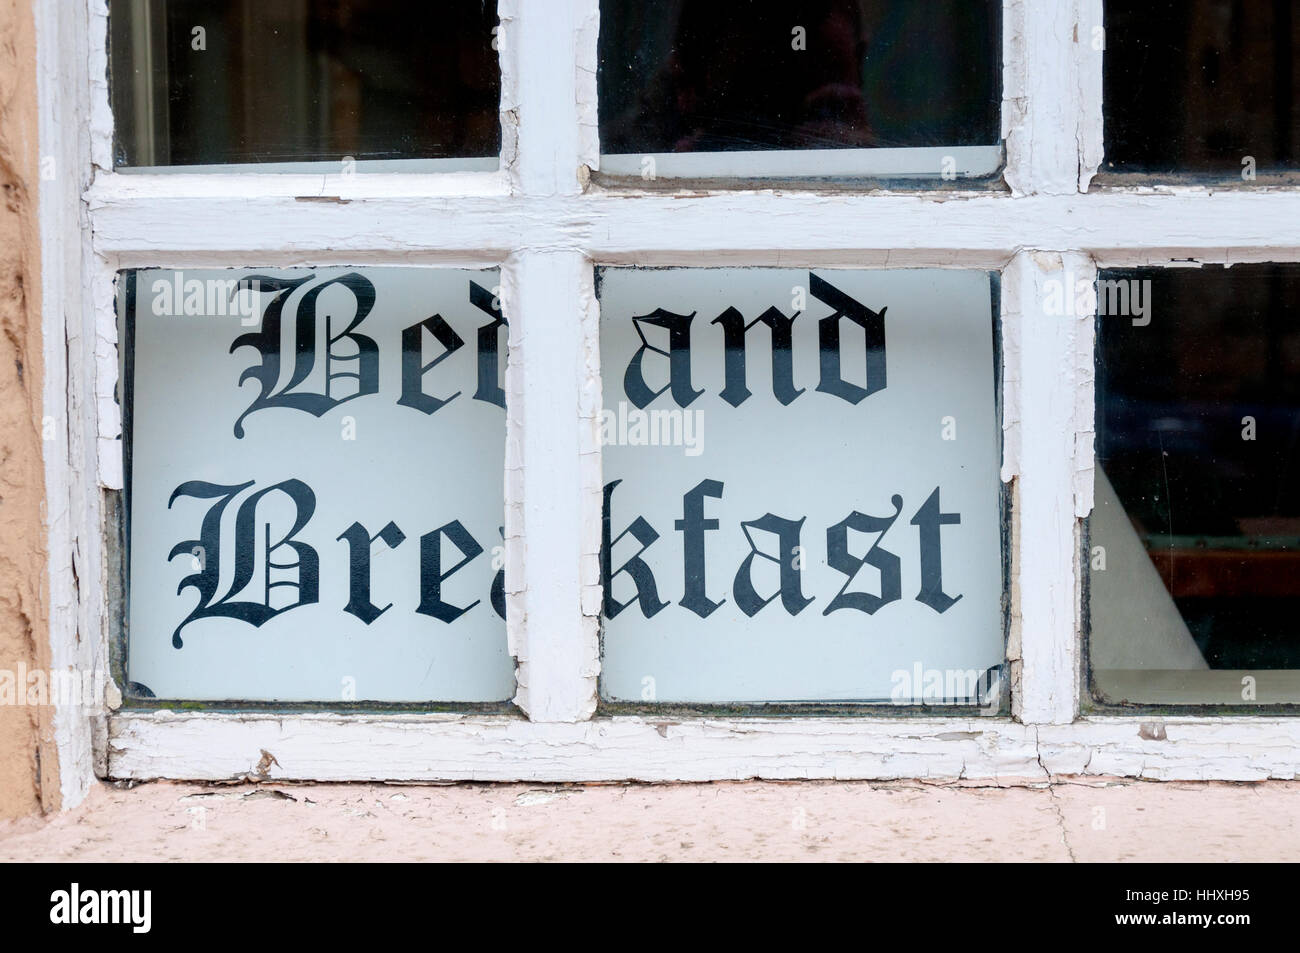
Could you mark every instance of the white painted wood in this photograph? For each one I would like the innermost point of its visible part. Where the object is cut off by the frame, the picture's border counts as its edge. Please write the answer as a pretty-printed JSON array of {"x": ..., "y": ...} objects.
[
  {"x": 1174, "y": 749},
  {"x": 1083, "y": 379},
  {"x": 75, "y": 539},
  {"x": 1015, "y": 78},
  {"x": 587, "y": 22},
  {"x": 1041, "y": 67},
  {"x": 757, "y": 228},
  {"x": 96, "y": 107},
  {"x": 331, "y": 747},
  {"x": 1049, "y": 346},
  {"x": 539, "y": 217},
  {"x": 1090, "y": 53},
  {"x": 877, "y": 230},
  {"x": 553, "y": 483},
  {"x": 550, "y": 144},
  {"x": 324, "y": 747}
]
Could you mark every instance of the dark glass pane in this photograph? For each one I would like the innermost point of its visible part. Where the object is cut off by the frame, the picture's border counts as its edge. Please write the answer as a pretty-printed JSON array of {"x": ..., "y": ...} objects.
[
  {"x": 701, "y": 76},
  {"x": 225, "y": 81},
  {"x": 1199, "y": 85},
  {"x": 1198, "y": 451}
]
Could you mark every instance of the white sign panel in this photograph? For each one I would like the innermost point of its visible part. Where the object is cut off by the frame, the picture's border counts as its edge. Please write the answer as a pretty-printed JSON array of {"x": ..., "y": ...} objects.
[
  {"x": 802, "y": 500},
  {"x": 315, "y": 494}
]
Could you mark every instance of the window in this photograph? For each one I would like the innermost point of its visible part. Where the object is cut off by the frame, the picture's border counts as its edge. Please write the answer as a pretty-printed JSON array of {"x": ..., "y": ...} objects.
[
  {"x": 1206, "y": 87},
  {"x": 810, "y": 452},
  {"x": 1189, "y": 579},
  {"x": 827, "y": 89},
  {"x": 197, "y": 83},
  {"x": 265, "y": 410},
  {"x": 1194, "y": 535},
  {"x": 755, "y": 199}
]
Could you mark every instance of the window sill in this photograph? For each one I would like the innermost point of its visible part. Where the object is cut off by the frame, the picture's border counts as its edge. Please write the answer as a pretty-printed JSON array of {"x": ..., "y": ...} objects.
[{"x": 447, "y": 747}]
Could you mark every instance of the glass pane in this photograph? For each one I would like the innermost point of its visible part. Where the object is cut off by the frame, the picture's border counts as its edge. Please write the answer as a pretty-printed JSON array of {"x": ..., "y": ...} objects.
[
  {"x": 802, "y": 499},
  {"x": 315, "y": 465},
  {"x": 199, "y": 82},
  {"x": 1195, "y": 536},
  {"x": 690, "y": 76},
  {"x": 1205, "y": 86}
]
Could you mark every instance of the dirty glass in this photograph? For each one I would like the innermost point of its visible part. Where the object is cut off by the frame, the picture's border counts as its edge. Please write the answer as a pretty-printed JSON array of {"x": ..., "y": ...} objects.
[
  {"x": 801, "y": 494},
  {"x": 1202, "y": 86},
  {"x": 1194, "y": 545},
  {"x": 199, "y": 82},
  {"x": 690, "y": 76},
  {"x": 314, "y": 464}
]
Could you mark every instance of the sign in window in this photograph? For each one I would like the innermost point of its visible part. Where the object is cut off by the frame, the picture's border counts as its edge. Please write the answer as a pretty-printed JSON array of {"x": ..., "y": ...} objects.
[
  {"x": 801, "y": 490},
  {"x": 314, "y": 484}
]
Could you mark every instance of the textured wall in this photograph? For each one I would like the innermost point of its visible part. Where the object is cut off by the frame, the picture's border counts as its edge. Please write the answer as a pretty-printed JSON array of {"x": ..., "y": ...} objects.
[{"x": 28, "y": 766}]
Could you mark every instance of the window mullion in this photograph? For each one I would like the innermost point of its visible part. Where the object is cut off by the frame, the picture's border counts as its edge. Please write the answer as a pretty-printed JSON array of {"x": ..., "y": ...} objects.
[
  {"x": 552, "y": 470},
  {"x": 1048, "y": 64},
  {"x": 547, "y": 42},
  {"x": 1048, "y": 364},
  {"x": 552, "y": 483},
  {"x": 1089, "y": 51}
]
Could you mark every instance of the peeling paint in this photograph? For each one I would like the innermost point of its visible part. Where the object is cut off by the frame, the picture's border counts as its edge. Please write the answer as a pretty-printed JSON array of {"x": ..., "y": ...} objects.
[
  {"x": 1152, "y": 731},
  {"x": 420, "y": 748}
]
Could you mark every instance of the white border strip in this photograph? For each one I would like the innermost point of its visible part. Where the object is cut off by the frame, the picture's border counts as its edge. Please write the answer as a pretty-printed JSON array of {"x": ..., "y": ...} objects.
[
  {"x": 1044, "y": 383},
  {"x": 1041, "y": 104},
  {"x": 1090, "y": 54},
  {"x": 967, "y": 229},
  {"x": 71, "y": 347},
  {"x": 320, "y": 747}
]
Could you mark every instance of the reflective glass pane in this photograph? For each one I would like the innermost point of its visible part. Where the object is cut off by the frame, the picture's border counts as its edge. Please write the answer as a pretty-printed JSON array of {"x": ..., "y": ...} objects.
[
  {"x": 1195, "y": 536},
  {"x": 1202, "y": 86},
  {"x": 692, "y": 76},
  {"x": 205, "y": 82}
]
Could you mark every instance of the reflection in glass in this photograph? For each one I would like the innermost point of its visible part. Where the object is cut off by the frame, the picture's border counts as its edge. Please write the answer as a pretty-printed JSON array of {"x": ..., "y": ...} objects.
[
  {"x": 694, "y": 76},
  {"x": 199, "y": 82},
  {"x": 1204, "y": 86},
  {"x": 1195, "y": 536}
]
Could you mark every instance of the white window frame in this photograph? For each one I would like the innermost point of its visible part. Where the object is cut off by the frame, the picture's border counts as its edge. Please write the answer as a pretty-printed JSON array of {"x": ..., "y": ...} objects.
[{"x": 542, "y": 222}]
